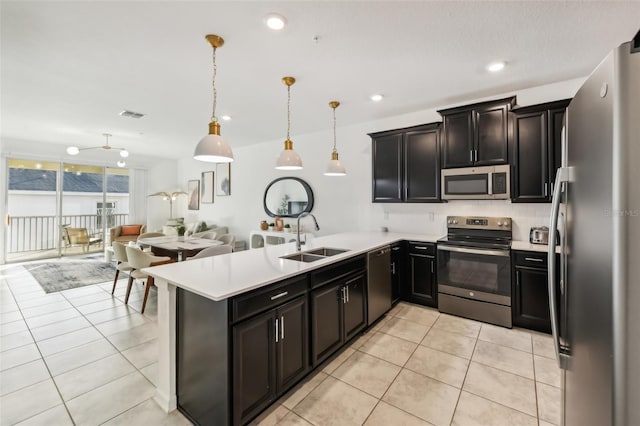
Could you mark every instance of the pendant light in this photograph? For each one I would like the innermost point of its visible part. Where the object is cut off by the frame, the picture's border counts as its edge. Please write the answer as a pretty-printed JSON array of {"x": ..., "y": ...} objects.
[
  {"x": 212, "y": 148},
  {"x": 288, "y": 159},
  {"x": 335, "y": 167}
]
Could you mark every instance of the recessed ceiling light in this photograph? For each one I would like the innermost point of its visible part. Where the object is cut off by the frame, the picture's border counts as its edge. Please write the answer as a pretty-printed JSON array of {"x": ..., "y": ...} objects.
[
  {"x": 376, "y": 98},
  {"x": 226, "y": 117},
  {"x": 496, "y": 66},
  {"x": 275, "y": 21}
]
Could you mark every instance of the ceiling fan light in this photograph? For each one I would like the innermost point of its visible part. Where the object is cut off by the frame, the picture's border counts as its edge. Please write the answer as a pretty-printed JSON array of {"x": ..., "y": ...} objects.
[
  {"x": 73, "y": 150},
  {"x": 124, "y": 153},
  {"x": 121, "y": 163}
]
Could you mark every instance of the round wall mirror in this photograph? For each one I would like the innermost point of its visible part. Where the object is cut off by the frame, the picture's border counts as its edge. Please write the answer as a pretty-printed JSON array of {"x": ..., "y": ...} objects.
[{"x": 288, "y": 197}]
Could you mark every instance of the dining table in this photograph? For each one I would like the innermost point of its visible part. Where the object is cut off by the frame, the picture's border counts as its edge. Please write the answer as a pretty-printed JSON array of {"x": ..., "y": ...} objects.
[{"x": 179, "y": 248}]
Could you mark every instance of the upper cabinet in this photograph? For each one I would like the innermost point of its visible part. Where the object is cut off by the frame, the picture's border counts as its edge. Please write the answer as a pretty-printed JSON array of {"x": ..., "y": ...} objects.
[
  {"x": 536, "y": 133},
  {"x": 476, "y": 135},
  {"x": 406, "y": 165}
]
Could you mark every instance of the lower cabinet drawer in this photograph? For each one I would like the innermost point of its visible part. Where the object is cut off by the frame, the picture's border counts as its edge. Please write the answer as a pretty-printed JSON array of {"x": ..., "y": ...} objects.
[{"x": 261, "y": 300}]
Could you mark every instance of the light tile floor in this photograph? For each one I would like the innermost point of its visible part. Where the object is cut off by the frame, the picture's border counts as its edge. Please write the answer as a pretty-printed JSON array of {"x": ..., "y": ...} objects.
[{"x": 83, "y": 357}]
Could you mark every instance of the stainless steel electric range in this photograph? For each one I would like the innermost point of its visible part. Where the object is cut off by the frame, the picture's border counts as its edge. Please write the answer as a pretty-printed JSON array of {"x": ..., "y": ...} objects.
[{"x": 474, "y": 269}]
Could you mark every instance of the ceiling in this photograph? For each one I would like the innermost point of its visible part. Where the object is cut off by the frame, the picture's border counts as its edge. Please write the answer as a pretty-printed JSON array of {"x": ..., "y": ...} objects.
[{"x": 69, "y": 67}]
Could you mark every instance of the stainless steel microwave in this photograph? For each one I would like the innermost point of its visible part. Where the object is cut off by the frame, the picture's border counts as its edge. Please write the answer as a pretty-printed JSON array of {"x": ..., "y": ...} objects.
[{"x": 476, "y": 183}]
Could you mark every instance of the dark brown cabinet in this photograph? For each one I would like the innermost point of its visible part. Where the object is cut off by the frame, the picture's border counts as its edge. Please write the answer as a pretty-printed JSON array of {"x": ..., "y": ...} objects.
[
  {"x": 270, "y": 355},
  {"x": 338, "y": 312},
  {"x": 397, "y": 271},
  {"x": 530, "y": 292},
  {"x": 421, "y": 283},
  {"x": 406, "y": 165},
  {"x": 476, "y": 135},
  {"x": 536, "y": 150}
]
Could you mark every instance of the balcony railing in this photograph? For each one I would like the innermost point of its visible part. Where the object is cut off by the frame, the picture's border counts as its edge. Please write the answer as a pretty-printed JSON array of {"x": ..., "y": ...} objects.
[{"x": 33, "y": 233}]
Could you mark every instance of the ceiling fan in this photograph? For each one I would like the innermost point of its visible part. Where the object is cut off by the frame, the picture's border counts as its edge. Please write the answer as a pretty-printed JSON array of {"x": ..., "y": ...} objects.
[{"x": 74, "y": 150}]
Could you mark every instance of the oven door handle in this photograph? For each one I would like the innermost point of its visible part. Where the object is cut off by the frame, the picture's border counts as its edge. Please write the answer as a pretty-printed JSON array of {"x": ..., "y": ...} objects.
[{"x": 503, "y": 253}]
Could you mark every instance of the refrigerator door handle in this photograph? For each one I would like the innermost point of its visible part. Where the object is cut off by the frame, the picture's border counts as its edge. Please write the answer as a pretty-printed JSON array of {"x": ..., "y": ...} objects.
[{"x": 563, "y": 175}]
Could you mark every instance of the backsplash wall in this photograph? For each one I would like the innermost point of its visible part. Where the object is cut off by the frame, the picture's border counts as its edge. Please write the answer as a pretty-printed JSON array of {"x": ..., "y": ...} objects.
[{"x": 344, "y": 203}]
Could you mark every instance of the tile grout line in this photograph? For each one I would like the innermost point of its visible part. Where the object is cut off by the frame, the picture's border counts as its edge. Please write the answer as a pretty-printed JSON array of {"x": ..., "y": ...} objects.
[{"x": 49, "y": 378}]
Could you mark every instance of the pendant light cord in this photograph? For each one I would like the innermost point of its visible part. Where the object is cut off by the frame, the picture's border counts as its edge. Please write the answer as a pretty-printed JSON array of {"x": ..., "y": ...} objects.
[
  {"x": 334, "y": 130},
  {"x": 288, "y": 111},
  {"x": 215, "y": 93}
]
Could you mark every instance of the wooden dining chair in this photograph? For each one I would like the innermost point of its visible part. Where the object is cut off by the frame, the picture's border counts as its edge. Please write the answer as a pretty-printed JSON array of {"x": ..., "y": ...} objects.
[
  {"x": 139, "y": 260},
  {"x": 122, "y": 264}
]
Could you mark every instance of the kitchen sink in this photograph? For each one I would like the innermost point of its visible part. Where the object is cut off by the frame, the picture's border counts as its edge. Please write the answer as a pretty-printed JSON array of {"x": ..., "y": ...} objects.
[
  {"x": 324, "y": 251},
  {"x": 303, "y": 257},
  {"x": 313, "y": 255}
]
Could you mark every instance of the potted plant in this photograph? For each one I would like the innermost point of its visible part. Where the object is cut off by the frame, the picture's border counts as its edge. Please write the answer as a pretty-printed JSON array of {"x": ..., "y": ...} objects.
[
  {"x": 287, "y": 227},
  {"x": 272, "y": 226}
]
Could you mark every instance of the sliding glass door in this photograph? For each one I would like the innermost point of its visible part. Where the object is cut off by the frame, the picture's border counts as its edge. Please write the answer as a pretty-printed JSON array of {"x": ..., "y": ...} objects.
[{"x": 60, "y": 209}]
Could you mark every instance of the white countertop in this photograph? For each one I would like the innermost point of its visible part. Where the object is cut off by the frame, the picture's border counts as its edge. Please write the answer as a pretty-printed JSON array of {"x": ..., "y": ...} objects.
[
  {"x": 526, "y": 245},
  {"x": 223, "y": 276}
]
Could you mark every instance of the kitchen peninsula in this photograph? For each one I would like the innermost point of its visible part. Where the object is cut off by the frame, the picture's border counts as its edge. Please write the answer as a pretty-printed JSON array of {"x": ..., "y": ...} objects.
[{"x": 209, "y": 296}]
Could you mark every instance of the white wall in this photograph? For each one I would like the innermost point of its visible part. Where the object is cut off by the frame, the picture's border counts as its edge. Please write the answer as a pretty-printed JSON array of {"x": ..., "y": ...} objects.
[
  {"x": 344, "y": 203},
  {"x": 162, "y": 177}
]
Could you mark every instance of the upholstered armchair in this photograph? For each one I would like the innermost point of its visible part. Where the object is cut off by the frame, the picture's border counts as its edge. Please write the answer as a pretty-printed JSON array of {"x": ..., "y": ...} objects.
[{"x": 126, "y": 233}]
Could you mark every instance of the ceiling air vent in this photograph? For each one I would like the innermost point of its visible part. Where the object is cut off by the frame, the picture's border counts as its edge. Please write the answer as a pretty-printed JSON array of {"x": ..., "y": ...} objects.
[{"x": 131, "y": 114}]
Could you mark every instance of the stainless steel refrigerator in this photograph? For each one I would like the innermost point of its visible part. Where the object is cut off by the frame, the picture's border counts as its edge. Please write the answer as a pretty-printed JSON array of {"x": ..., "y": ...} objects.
[{"x": 596, "y": 208}]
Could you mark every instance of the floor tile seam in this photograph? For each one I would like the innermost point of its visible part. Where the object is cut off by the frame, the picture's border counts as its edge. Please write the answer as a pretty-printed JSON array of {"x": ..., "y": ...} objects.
[
  {"x": 110, "y": 319},
  {"x": 49, "y": 313},
  {"x": 16, "y": 347},
  {"x": 129, "y": 409},
  {"x": 500, "y": 403},
  {"x": 60, "y": 335},
  {"x": 547, "y": 384},
  {"x": 454, "y": 332},
  {"x": 41, "y": 305},
  {"x": 135, "y": 370},
  {"x": 72, "y": 347},
  {"x": 50, "y": 377},
  {"x": 26, "y": 386},
  {"x": 406, "y": 340},
  {"x": 445, "y": 352},
  {"x": 40, "y": 412},
  {"x": 108, "y": 383},
  {"x": 466, "y": 373},
  {"x": 502, "y": 369},
  {"x": 505, "y": 346},
  {"x": 58, "y": 322},
  {"x": 416, "y": 322},
  {"x": 357, "y": 388},
  {"x": 405, "y": 411}
]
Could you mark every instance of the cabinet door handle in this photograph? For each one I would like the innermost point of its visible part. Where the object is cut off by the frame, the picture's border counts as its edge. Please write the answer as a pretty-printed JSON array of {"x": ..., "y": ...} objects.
[
  {"x": 551, "y": 185},
  {"x": 533, "y": 259},
  {"x": 471, "y": 156},
  {"x": 475, "y": 153},
  {"x": 432, "y": 266},
  {"x": 518, "y": 279},
  {"x": 395, "y": 248},
  {"x": 344, "y": 295},
  {"x": 419, "y": 248},
  {"x": 276, "y": 331},
  {"x": 545, "y": 189},
  {"x": 347, "y": 294},
  {"x": 282, "y": 327},
  {"x": 279, "y": 295},
  {"x": 393, "y": 268}
]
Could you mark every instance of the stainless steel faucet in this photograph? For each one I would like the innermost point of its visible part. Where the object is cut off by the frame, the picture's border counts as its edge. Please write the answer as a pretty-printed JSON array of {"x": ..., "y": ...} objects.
[{"x": 299, "y": 243}]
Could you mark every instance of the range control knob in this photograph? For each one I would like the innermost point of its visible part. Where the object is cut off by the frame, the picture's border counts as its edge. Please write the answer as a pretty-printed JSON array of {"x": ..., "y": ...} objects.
[{"x": 499, "y": 223}]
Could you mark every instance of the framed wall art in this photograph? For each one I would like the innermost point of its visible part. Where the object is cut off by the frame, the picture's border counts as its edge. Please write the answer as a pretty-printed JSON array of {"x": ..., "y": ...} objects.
[
  {"x": 223, "y": 181},
  {"x": 207, "y": 188},
  {"x": 193, "y": 191}
]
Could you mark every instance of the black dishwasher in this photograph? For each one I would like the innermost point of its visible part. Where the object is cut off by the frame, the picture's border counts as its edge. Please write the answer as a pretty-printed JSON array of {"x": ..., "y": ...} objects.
[{"x": 378, "y": 283}]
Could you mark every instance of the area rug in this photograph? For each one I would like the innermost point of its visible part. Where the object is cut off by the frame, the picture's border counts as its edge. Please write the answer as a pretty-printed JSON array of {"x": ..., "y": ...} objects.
[{"x": 60, "y": 276}]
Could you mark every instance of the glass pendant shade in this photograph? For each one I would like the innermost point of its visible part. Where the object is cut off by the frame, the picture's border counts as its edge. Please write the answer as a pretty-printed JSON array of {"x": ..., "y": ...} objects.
[
  {"x": 335, "y": 167},
  {"x": 288, "y": 158},
  {"x": 212, "y": 148}
]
